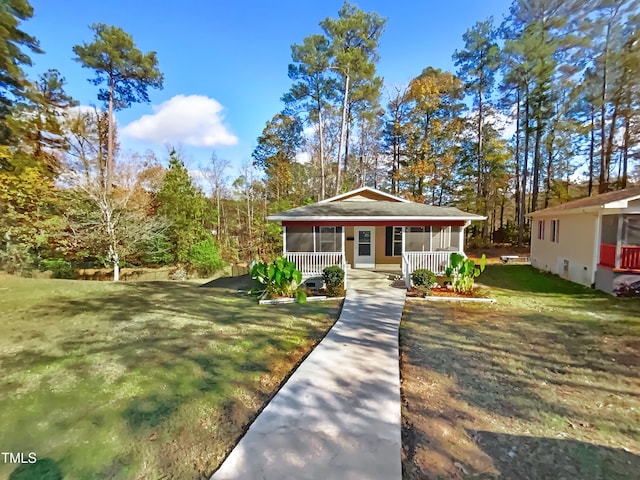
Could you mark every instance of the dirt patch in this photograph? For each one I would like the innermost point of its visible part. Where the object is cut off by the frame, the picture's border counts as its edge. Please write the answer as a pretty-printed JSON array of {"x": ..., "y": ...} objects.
[{"x": 516, "y": 393}]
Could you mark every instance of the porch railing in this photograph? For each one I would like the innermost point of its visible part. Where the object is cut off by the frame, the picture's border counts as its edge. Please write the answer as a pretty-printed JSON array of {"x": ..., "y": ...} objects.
[
  {"x": 312, "y": 263},
  {"x": 437, "y": 262},
  {"x": 629, "y": 256}
]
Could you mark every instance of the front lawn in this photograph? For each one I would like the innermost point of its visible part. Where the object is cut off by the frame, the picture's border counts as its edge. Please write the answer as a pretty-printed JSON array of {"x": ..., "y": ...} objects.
[
  {"x": 139, "y": 380},
  {"x": 545, "y": 384}
]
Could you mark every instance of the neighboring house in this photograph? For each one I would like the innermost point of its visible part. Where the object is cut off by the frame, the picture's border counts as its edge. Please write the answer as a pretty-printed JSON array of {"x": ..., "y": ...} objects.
[
  {"x": 369, "y": 229},
  {"x": 594, "y": 241}
]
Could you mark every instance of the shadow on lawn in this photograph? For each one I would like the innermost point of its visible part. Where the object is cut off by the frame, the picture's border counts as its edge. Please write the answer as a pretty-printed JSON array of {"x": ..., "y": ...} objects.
[
  {"x": 499, "y": 455},
  {"x": 179, "y": 345},
  {"x": 43, "y": 469},
  {"x": 502, "y": 367}
]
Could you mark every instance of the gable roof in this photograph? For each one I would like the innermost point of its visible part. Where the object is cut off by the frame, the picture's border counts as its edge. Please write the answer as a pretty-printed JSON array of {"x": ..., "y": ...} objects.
[
  {"x": 368, "y": 210},
  {"x": 618, "y": 199},
  {"x": 367, "y": 192}
]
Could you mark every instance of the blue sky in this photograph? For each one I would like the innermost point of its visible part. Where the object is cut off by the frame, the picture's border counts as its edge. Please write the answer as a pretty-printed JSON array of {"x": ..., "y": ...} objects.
[{"x": 225, "y": 62}]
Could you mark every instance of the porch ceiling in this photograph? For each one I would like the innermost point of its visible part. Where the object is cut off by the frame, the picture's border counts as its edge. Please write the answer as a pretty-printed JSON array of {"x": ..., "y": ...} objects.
[{"x": 379, "y": 211}]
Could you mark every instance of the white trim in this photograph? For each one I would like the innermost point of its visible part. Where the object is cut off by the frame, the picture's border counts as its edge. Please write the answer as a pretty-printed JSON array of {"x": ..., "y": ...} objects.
[
  {"x": 284, "y": 240},
  {"x": 364, "y": 189},
  {"x": 346, "y": 218},
  {"x": 358, "y": 259},
  {"x": 596, "y": 248}
]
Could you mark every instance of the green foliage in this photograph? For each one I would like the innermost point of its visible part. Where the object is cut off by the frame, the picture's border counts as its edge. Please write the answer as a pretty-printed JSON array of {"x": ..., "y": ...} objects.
[
  {"x": 13, "y": 43},
  {"x": 333, "y": 277},
  {"x": 276, "y": 152},
  {"x": 59, "y": 267},
  {"x": 280, "y": 278},
  {"x": 120, "y": 65},
  {"x": 157, "y": 250},
  {"x": 204, "y": 256},
  {"x": 423, "y": 278},
  {"x": 29, "y": 220},
  {"x": 463, "y": 272},
  {"x": 183, "y": 204}
]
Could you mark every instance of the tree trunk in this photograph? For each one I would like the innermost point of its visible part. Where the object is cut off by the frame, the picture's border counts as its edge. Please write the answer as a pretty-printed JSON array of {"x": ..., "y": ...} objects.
[
  {"x": 536, "y": 165},
  {"x": 480, "y": 159},
  {"x": 110, "y": 138},
  {"x": 609, "y": 151},
  {"x": 321, "y": 133},
  {"x": 592, "y": 144},
  {"x": 525, "y": 166},
  {"x": 625, "y": 150},
  {"x": 604, "y": 168},
  {"x": 342, "y": 129},
  {"x": 547, "y": 190},
  {"x": 517, "y": 156}
]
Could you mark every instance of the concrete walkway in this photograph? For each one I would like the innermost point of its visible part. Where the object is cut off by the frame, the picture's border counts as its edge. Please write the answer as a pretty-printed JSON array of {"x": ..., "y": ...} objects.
[{"x": 338, "y": 415}]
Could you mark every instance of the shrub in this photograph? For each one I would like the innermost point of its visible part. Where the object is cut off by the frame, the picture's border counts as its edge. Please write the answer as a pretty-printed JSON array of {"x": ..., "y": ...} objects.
[
  {"x": 333, "y": 276},
  {"x": 423, "y": 278},
  {"x": 157, "y": 251},
  {"x": 279, "y": 278},
  {"x": 59, "y": 267},
  {"x": 334, "y": 281},
  {"x": 463, "y": 272},
  {"x": 205, "y": 257}
]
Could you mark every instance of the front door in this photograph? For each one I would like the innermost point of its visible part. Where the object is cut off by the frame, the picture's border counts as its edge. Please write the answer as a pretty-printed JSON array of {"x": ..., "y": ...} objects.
[{"x": 364, "y": 244}]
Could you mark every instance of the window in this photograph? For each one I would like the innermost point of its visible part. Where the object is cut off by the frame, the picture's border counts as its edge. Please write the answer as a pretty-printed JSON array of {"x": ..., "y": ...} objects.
[
  {"x": 328, "y": 239},
  {"x": 393, "y": 242},
  {"x": 397, "y": 241},
  {"x": 541, "y": 229},
  {"x": 555, "y": 231},
  {"x": 418, "y": 239}
]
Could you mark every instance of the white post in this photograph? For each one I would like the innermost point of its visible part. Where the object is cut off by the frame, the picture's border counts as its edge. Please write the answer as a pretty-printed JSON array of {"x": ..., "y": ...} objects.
[
  {"x": 404, "y": 241},
  {"x": 284, "y": 240},
  {"x": 461, "y": 233},
  {"x": 344, "y": 256},
  {"x": 619, "y": 241}
]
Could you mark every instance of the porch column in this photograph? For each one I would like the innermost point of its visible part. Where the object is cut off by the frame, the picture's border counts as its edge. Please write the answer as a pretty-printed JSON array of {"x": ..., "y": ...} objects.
[
  {"x": 284, "y": 240},
  {"x": 461, "y": 239},
  {"x": 404, "y": 240},
  {"x": 619, "y": 241},
  {"x": 344, "y": 257}
]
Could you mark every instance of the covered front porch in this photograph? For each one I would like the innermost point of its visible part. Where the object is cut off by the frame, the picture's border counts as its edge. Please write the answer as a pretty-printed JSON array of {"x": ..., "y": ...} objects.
[
  {"x": 618, "y": 270},
  {"x": 394, "y": 249},
  {"x": 620, "y": 242}
]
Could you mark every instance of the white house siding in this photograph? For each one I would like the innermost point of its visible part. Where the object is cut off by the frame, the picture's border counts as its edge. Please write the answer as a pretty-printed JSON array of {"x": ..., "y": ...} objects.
[{"x": 576, "y": 246}]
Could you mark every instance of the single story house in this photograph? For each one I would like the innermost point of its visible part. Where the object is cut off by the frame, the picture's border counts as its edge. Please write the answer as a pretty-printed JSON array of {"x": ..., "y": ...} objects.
[
  {"x": 594, "y": 241},
  {"x": 369, "y": 229}
]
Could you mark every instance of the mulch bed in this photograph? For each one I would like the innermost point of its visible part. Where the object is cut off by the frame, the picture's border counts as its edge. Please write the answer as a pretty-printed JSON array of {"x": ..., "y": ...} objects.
[{"x": 440, "y": 292}]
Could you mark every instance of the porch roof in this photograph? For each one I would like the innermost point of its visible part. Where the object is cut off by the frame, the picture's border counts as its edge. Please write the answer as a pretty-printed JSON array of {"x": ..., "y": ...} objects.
[
  {"x": 610, "y": 200},
  {"x": 373, "y": 211}
]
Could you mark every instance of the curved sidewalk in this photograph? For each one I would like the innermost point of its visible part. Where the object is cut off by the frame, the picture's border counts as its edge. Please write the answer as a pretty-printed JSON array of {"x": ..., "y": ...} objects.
[{"x": 338, "y": 415}]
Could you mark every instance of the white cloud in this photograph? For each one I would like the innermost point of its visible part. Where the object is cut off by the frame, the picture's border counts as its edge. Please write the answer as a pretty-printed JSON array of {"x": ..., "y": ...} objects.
[
  {"x": 303, "y": 157},
  {"x": 193, "y": 120}
]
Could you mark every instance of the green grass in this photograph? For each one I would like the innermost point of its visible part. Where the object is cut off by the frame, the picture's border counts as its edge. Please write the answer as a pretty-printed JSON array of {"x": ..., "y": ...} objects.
[
  {"x": 139, "y": 380},
  {"x": 543, "y": 384}
]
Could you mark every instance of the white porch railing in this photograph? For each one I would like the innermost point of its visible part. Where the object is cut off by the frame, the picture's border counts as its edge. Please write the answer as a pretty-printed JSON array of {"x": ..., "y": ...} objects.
[
  {"x": 437, "y": 262},
  {"x": 312, "y": 263}
]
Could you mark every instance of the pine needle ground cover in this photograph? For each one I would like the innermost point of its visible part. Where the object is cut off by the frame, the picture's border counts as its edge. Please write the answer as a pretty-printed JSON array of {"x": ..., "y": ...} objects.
[
  {"x": 139, "y": 380},
  {"x": 544, "y": 384}
]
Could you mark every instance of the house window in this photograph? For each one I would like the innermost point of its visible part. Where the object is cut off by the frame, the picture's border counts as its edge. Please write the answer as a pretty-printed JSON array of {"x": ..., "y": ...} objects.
[
  {"x": 328, "y": 239},
  {"x": 397, "y": 241},
  {"x": 393, "y": 243},
  {"x": 555, "y": 231},
  {"x": 541, "y": 229},
  {"x": 418, "y": 239}
]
